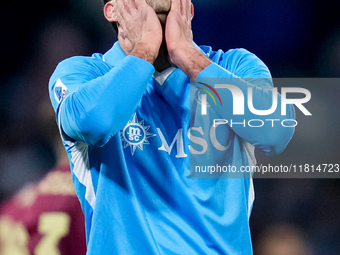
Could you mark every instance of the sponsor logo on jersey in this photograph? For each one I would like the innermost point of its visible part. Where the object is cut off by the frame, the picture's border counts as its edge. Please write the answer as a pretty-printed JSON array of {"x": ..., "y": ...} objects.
[
  {"x": 60, "y": 91},
  {"x": 135, "y": 134}
]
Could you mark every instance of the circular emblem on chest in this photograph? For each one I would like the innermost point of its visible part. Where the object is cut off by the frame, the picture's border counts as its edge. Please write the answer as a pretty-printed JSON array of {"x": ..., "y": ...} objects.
[{"x": 134, "y": 133}]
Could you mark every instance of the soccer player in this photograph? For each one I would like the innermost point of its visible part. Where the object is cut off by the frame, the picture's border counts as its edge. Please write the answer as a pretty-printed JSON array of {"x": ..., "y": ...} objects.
[
  {"x": 44, "y": 217},
  {"x": 125, "y": 122}
]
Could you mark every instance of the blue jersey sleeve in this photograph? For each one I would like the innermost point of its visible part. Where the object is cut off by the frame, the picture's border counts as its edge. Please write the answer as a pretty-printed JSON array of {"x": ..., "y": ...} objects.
[
  {"x": 244, "y": 70},
  {"x": 94, "y": 100}
]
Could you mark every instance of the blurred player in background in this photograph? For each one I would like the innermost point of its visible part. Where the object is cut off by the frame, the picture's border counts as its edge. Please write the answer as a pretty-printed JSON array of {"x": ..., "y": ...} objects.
[{"x": 44, "y": 218}]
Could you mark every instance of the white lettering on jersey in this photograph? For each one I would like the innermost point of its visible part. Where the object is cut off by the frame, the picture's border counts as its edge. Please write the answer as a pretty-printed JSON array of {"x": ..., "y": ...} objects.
[
  {"x": 135, "y": 135},
  {"x": 197, "y": 140},
  {"x": 180, "y": 144},
  {"x": 214, "y": 141}
]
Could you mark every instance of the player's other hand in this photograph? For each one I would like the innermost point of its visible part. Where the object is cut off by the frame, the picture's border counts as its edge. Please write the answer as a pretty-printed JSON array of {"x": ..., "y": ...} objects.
[
  {"x": 178, "y": 33},
  {"x": 139, "y": 29},
  {"x": 179, "y": 40}
]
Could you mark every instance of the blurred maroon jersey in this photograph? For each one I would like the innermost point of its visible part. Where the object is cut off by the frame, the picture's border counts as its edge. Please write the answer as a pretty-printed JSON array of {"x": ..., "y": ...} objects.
[{"x": 44, "y": 219}]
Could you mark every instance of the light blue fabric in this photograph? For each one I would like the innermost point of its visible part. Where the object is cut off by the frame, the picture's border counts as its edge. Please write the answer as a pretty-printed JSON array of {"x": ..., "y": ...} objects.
[{"x": 128, "y": 145}]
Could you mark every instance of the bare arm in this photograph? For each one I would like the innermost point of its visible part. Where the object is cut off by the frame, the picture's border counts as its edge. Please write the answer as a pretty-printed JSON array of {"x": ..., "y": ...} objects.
[{"x": 179, "y": 40}]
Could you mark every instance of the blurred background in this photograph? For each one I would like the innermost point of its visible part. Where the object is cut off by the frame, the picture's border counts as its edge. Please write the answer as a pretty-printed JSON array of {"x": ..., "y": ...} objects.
[{"x": 295, "y": 38}]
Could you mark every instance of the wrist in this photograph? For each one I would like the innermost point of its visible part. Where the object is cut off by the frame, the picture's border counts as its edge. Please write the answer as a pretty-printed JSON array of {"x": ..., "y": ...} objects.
[
  {"x": 145, "y": 51},
  {"x": 190, "y": 60}
]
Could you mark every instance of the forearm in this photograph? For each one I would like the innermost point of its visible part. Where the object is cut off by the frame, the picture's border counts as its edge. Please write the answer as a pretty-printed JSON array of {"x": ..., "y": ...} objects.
[
  {"x": 100, "y": 108},
  {"x": 190, "y": 60},
  {"x": 143, "y": 51}
]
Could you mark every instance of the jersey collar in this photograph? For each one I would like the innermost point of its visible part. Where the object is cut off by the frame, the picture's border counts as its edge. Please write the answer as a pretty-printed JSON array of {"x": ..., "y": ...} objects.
[{"x": 114, "y": 55}]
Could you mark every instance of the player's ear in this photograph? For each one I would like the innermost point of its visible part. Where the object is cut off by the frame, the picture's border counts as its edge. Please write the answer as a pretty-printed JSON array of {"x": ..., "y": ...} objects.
[
  {"x": 109, "y": 11},
  {"x": 192, "y": 11}
]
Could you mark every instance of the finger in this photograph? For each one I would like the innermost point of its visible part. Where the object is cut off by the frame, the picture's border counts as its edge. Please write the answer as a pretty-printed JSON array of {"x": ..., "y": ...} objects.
[
  {"x": 175, "y": 6},
  {"x": 140, "y": 4},
  {"x": 119, "y": 6},
  {"x": 134, "y": 7},
  {"x": 120, "y": 19},
  {"x": 127, "y": 6},
  {"x": 124, "y": 15},
  {"x": 133, "y": 4},
  {"x": 182, "y": 7},
  {"x": 188, "y": 9}
]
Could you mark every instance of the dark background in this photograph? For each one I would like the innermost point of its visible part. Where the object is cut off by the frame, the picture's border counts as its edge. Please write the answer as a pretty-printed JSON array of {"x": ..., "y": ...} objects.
[{"x": 295, "y": 38}]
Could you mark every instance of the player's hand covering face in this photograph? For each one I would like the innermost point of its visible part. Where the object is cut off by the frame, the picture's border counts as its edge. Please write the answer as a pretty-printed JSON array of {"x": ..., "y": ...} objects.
[
  {"x": 178, "y": 33},
  {"x": 141, "y": 24},
  {"x": 139, "y": 30}
]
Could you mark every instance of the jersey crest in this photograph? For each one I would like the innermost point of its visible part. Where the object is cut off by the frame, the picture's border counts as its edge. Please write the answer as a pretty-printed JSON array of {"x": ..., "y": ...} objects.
[
  {"x": 59, "y": 91},
  {"x": 135, "y": 134}
]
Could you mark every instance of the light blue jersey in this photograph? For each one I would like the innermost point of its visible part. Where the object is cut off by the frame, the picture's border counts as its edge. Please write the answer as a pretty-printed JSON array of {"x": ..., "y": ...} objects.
[{"x": 126, "y": 129}]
